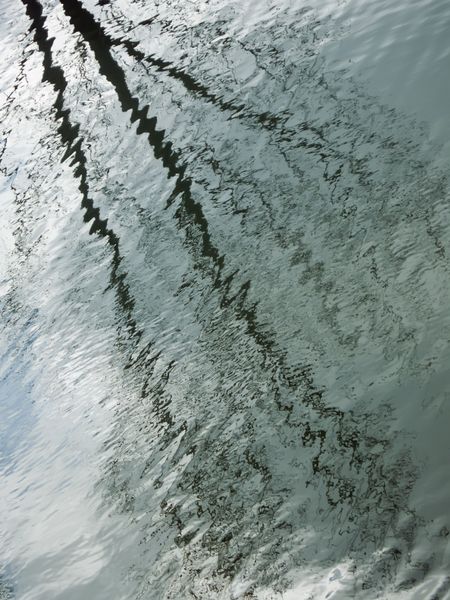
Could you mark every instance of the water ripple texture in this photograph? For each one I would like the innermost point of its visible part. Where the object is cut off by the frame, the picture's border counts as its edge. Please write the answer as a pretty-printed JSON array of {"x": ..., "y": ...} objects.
[{"x": 224, "y": 290}]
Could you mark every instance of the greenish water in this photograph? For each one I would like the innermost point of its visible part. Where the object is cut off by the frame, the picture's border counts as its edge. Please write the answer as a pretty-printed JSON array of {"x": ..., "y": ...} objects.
[{"x": 224, "y": 290}]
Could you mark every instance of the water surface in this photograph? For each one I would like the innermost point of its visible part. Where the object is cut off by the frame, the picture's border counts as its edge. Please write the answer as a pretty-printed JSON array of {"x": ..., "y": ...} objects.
[{"x": 224, "y": 291}]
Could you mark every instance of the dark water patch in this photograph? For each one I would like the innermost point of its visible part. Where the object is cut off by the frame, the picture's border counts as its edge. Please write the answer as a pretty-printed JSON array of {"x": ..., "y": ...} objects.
[{"x": 6, "y": 589}]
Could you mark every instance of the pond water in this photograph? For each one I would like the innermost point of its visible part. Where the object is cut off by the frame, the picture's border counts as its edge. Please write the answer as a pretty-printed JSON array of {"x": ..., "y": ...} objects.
[{"x": 225, "y": 291}]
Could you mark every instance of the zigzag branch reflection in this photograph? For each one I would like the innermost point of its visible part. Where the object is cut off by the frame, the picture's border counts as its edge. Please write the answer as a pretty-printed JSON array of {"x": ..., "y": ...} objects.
[{"x": 69, "y": 134}]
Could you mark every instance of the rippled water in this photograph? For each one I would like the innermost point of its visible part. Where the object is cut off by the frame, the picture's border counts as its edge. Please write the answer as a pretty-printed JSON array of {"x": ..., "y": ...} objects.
[{"x": 224, "y": 289}]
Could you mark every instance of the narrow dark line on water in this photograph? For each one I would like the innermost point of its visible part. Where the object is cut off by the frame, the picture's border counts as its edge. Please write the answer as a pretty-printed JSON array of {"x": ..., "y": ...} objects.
[
  {"x": 195, "y": 87},
  {"x": 69, "y": 134},
  {"x": 266, "y": 120}
]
